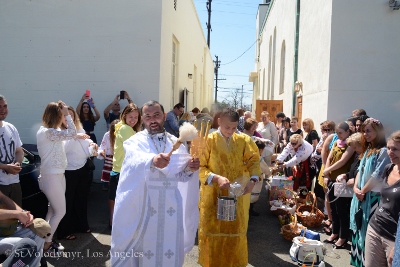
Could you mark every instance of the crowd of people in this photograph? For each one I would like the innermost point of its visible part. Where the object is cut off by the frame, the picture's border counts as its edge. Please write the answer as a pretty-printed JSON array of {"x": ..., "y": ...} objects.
[
  {"x": 155, "y": 203},
  {"x": 356, "y": 154}
]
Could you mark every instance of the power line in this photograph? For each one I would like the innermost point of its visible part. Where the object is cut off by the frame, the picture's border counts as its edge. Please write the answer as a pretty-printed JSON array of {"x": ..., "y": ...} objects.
[
  {"x": 234, "y": 75},
  {"x": 230, "y": 12},
  {"x": 241, "y": 54}
]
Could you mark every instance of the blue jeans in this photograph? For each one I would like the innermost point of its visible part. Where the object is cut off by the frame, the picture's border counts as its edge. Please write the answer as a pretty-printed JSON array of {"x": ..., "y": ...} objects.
[
  {"x": 23, "y": 253},
  {"x": 396, "y": 259},
  {"x": 7, "y": 243}
]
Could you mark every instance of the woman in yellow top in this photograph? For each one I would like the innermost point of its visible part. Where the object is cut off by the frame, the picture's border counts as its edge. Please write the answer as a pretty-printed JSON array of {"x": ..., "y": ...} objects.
[
  {"x": 130, "y": 122},
  {"x": 227, "y": 156}
]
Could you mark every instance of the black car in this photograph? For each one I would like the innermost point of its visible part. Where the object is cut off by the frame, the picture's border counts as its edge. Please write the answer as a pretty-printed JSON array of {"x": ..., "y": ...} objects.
[{"x": 33, "y": 199}]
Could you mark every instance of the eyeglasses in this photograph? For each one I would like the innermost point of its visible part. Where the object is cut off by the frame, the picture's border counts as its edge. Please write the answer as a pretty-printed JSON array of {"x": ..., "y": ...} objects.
[{"x": 293, "y": 144}]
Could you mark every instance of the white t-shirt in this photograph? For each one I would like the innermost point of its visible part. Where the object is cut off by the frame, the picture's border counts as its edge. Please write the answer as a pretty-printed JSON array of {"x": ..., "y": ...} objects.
[{"x": 9, "y": 142}]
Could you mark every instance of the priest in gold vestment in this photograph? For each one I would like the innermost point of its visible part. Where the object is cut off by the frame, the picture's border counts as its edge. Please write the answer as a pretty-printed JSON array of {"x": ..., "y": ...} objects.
[{"x": 228, "y": 156}]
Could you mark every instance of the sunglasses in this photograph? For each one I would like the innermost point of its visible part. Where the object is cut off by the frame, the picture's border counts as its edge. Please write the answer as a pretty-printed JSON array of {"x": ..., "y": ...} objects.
[
  {"x": 326, "y": 130},
  {"x": 293, "y": 144}
]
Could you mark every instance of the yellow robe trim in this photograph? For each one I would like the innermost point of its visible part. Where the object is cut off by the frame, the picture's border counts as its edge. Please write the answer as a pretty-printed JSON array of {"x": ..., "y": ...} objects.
[{"x": 224, "y": 243}]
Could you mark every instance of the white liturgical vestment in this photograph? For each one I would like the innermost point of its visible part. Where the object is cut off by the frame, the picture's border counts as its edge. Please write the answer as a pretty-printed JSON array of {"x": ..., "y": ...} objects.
[{"x": 156, "y": 210}]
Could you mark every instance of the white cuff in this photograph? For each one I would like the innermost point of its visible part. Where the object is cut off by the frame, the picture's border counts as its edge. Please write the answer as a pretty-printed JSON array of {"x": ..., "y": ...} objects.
[{"x": 209, "y": 179}]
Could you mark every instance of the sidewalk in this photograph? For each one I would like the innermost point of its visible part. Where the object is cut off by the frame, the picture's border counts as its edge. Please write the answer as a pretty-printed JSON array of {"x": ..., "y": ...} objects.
[{"x": 266, "y": 246}]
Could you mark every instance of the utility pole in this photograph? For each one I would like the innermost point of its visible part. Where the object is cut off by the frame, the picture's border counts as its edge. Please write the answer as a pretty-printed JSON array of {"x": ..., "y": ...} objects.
[
  {"x": 209, "y": 22},
  {"x": 217, "y": 65},
  {"x": 241, "y": 99}
]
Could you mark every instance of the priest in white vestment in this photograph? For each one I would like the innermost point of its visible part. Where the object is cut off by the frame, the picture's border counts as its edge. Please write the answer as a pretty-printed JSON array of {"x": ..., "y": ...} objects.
[{"x": 156, "y": 213}]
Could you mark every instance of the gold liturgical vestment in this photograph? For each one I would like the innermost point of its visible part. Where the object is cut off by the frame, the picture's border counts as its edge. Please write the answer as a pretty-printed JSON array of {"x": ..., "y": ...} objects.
[{"x": 223, "y": 243}]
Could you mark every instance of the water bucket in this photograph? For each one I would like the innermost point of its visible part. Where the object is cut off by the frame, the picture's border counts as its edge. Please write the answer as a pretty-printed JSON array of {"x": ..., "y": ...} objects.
[{"x": 226, "y": 208}]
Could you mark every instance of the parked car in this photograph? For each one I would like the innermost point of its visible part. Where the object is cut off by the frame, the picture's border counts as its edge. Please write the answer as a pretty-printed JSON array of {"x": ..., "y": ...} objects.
[{"x": 33, "y": 199}]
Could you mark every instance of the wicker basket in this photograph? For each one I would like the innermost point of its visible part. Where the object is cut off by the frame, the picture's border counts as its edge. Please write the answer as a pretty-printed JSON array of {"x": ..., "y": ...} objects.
[
  {"x": 291, "y": 230},
  {"x": 316, "y": 216},
  {"x": 299, "y": 199},
  {"x": 278, "y": 212},
  {"x": 285, "y": 211}
]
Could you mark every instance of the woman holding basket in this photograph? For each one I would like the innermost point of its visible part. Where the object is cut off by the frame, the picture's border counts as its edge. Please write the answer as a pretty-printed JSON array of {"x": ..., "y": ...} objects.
[{"x": 338, "y": 163}]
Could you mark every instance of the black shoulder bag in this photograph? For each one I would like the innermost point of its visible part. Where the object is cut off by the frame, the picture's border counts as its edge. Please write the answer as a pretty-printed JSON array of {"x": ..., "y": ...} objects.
[{"x": 89, "y": 165}]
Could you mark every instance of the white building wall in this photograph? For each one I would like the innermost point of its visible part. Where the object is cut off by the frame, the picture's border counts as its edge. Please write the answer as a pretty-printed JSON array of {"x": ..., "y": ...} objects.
[
  {"x": 281, "y": 20},
  {"x": 365, "y": 61},
  {"x": 184, "y": 25},
  {"x": 314, "y": 58},
  {"x": 51, "y": 50}
]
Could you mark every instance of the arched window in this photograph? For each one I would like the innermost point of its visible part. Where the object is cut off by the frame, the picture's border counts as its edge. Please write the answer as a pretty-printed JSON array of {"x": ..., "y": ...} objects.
[
  {"x": 282, "y": 72},
  {"x": 262, "y": 95},
  {"x": 269, "y": 68},
  {"x": 273, "y": 66}
]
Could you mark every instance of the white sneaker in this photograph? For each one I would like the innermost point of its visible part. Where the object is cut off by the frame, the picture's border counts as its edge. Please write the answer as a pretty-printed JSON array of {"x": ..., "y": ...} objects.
[{"x": 57, "y": 246}]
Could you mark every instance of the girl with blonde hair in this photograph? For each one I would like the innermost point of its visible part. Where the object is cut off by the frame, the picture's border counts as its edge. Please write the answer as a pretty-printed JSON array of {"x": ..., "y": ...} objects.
[
  {"x": 130, "y": 123},
  {"x": 50, "y": 144}
]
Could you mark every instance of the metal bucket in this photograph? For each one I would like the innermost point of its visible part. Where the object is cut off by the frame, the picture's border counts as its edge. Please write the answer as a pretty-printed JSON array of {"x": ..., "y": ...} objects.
[{"x": 226, "y": 208}]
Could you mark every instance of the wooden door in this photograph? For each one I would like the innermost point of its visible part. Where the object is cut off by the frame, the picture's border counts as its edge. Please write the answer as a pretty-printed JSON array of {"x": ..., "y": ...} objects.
[
  {"x": 271, "y": 106},
  {"x": 299, "y": 110}
]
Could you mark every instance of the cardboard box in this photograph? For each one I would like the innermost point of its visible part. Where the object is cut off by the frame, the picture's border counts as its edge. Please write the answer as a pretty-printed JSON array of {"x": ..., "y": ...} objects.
[
  {"x": 277, "y": 192},
  {"x": 282, "y": 182}
]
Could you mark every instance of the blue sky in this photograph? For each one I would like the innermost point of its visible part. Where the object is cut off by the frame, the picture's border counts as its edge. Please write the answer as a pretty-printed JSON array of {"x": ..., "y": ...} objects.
[{"x": 233, "y": 32}]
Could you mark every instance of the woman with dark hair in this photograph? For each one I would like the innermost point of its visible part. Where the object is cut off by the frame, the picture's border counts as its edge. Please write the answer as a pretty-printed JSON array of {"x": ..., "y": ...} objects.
[
  {"x": 282, "y": 134},
  {"x": 339, "y": 161},
  {"x": 352, "y": 123},
  {"x": 130, "y": 123},
  {"x": 214, "y": 125},
  {"x": 50, "y": 144},
  {"x": 88, "y": 120},
  {"x": 359, "y": 121},
  {"x": 279, "y": 117},
  {"x": 294, "y": 128},
  {"x": 367, "y": 185},
  {"x": 381, "y": 232}
]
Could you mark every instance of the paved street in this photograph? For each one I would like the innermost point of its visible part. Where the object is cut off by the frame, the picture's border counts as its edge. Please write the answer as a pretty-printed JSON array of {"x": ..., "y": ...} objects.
[{"x": 266, "y": 246}]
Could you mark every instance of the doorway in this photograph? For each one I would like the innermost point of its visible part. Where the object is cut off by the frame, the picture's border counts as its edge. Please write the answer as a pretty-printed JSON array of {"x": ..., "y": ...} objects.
[
  {"x": 299, "y": 110},
  {"x": 271, "y": 106}
]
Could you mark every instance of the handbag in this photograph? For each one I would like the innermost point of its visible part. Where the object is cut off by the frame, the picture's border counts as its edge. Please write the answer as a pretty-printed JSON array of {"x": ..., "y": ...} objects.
[
  {"x": 89, "y": 165},
  {"x": 340, "y": 189},
  {"x": 358, "y": 218}
]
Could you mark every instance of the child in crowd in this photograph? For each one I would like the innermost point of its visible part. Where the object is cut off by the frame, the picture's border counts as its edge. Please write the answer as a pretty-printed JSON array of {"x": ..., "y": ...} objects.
[
  {"x": 265, "y": 173},
  {"x": 106, "y": 152}
]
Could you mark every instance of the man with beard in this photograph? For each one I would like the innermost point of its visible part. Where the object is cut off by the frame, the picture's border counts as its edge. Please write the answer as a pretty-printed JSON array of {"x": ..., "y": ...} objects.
[
  {"x": 11, "y": 156},
  {"x": 156, "y": 214}
]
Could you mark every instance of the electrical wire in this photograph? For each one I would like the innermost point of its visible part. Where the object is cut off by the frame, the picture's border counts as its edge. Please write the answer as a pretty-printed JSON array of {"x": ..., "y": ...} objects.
[{"x": 241, "y": 54}]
